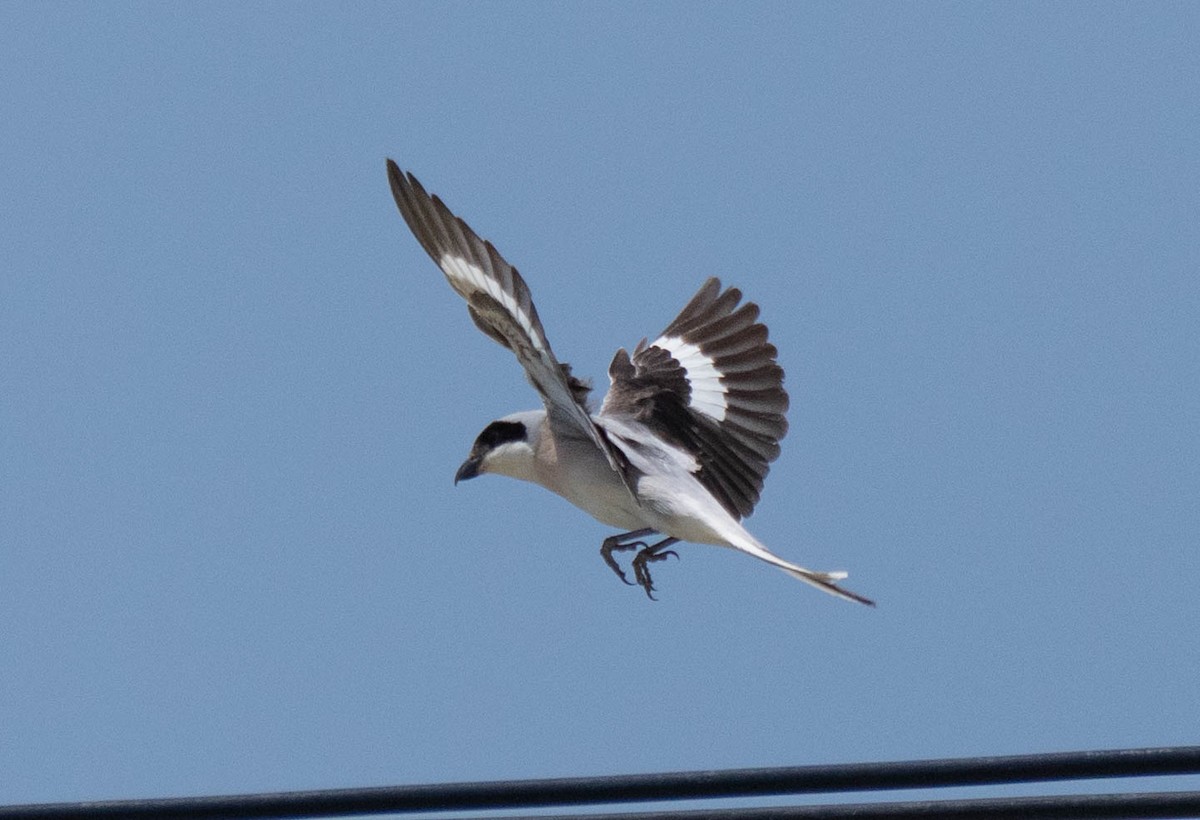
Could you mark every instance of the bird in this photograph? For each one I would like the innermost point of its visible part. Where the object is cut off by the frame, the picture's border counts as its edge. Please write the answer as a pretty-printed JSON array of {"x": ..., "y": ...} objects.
[{"x": 681, "y": 444}]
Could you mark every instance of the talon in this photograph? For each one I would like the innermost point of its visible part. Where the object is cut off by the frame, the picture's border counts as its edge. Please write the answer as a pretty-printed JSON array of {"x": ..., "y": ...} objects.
[
  {"x": 615, "y": 543},
  {"x": 643, "y": 576},
  {"x": 648, "y": 555},
  {"x": 606, "y": 552}
]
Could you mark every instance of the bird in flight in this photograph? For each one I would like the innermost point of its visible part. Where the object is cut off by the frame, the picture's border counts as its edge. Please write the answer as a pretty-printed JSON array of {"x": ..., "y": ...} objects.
[{"x": 683, "y": 441}]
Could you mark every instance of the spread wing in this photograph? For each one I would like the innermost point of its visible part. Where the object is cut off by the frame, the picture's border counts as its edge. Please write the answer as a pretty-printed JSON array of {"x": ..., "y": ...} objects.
[
  {"x": 709, "y": 385},
  {"x": 499, "y": 303}
]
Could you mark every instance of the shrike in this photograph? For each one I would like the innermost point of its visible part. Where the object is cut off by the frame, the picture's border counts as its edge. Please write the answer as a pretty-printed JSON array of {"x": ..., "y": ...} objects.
[{"x": 682, "y": 443}]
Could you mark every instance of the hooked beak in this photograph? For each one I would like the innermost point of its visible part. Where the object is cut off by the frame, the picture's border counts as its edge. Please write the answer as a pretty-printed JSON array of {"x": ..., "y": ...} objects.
[{"x": 469, "y": 468}]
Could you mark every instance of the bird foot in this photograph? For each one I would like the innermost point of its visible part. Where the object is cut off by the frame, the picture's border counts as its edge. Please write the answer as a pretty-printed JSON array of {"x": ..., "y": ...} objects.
[
  {"x": 650, "y": 555},
  {"x": 617, "y": 543},
  {"x": 647, "y": 554}
]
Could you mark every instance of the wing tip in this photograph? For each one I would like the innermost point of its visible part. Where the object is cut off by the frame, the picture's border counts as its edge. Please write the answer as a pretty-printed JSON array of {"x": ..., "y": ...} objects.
[{"x": 400, "y": 180}]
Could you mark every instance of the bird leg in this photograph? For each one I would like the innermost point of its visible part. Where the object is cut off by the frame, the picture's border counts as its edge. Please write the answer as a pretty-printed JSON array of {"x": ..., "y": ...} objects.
[
  {"x": 649, "y": 555},
  {"x": 624, "y": 541}
]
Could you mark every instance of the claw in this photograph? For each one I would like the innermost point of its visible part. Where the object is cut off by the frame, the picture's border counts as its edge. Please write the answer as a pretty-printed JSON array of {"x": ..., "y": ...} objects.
[
  {"x": 643, "y": 575},
  {"x": 606, "y": 552},
  {"x": 643, "y": 559},
  {"x": 612, "y": 563},
  {"x": 647, "y": 553},
  {"x": 615, "y": 543}
]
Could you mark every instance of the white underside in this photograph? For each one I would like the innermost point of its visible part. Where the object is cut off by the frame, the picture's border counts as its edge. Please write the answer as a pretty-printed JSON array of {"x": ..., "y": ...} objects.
[{"x": 670, "y": 499}]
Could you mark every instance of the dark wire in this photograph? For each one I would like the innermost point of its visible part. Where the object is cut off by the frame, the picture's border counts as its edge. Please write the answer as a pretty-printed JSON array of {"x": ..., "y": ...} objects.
[{"x": 727, "y": 783}]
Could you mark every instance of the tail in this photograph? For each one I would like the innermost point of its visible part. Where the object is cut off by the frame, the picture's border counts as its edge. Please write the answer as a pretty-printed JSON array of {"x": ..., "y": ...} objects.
[{"x": 821, "y": 580}]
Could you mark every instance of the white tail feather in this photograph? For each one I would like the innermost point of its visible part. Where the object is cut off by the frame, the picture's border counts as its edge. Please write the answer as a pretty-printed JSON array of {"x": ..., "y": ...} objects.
[{"x": 823, "y": 581}]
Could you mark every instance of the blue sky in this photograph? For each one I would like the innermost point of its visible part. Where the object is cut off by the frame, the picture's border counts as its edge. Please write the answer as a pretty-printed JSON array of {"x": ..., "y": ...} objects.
[{"x": 234, "y": 390}]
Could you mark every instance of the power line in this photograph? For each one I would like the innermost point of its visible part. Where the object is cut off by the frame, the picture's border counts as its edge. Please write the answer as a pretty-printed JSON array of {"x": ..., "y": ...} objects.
[{"x": 713, "y": 784}]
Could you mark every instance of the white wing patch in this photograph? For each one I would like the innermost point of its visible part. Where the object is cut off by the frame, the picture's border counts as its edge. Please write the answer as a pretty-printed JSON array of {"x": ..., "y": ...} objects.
[
  {"x": 646, "y": 452},
  {"x": 468, "y": 278},
  {"x": 707, "y": 390}
]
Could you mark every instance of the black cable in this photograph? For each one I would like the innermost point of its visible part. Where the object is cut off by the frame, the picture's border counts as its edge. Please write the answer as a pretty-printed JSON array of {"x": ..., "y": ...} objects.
[
  {"x": 1060, "y": 807},
  {"x": 920, "y": 774}
]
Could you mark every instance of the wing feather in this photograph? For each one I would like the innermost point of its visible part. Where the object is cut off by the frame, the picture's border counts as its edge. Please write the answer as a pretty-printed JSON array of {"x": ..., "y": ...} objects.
[
  {"x": 500, "y": 305},
  {"x": 710, "y": 385}
]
